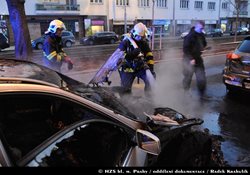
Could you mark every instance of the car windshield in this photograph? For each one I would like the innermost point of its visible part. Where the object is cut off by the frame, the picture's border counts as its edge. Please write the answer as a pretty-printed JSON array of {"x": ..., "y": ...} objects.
[{"x": 245, "y": 46}]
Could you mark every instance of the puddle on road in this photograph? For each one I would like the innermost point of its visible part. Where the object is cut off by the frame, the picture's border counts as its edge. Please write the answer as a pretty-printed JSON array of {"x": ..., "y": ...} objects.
[{"x": 234, "y": 153}]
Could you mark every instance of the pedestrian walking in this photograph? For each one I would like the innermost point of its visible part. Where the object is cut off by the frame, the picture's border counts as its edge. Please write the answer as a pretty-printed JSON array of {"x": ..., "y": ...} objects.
[{"x": 193, "y": 46}]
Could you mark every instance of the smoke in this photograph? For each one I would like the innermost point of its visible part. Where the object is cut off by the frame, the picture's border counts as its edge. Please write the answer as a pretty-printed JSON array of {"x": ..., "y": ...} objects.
[{"x": 168, "y": 91}]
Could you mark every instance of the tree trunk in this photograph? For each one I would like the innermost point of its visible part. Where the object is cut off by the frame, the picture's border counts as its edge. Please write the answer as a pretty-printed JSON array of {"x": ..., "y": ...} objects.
[{"x": 20, "y": 29}]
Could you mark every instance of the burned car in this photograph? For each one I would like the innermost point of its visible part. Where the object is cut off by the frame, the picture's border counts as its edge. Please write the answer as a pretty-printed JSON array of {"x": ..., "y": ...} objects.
[
  {"x": 236, "y": 73},
  {"x": 48, "y": 119}
]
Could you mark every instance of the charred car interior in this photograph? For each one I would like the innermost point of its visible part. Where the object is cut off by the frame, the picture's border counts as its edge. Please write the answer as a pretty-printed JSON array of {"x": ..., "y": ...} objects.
[{"x": 28, "y": 120}]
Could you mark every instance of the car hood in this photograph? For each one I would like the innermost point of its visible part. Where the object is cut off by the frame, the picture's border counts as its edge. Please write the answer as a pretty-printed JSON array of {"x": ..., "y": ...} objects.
[{"x": 11, "y": 68}]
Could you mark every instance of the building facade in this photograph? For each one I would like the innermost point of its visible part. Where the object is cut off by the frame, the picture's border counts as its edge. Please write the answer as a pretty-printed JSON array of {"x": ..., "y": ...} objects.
[{"x": 171, "y": 17}]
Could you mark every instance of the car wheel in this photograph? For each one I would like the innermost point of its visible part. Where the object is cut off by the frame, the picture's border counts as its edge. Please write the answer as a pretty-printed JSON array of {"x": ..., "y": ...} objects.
[
  {"x": 112, "y": 41},
  {"x": 68, "y": 44},
  {"x": 39, "y": 46},
  {"x": 91, "y": 42}
]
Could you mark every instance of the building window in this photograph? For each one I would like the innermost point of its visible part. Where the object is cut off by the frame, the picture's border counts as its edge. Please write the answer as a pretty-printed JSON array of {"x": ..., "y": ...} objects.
[
  {"x": 96, "y": 2},
  {"x": 143, "y": 3},
  {"x": 184, "y": 4},
  {"x": 122, "y": 2},
  {"x": 161, "y": 3},
  {"x": 224, "y": 5},
  {"x": 198, "y": 5},
  {"x": 211, "y": 6}
]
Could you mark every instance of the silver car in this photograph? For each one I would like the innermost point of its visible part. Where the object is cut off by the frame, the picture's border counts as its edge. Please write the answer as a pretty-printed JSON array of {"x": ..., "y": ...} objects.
[{"x": 48, "y": 119}]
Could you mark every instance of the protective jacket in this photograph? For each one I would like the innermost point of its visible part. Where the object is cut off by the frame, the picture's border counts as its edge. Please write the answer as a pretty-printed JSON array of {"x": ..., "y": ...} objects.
[
  {"x": 133, "y": 61},
  {"x": 53, "y": 53},
  {"x": 193, "y": 45}
]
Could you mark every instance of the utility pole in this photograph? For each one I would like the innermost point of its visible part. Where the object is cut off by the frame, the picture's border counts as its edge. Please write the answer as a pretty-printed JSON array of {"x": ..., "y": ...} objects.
[
  {"x": 153, "y": 12},
  {"x": 174, "y": 29},
  {"x": 153, "y": 29},
  {"x": 125, "y": 16}
]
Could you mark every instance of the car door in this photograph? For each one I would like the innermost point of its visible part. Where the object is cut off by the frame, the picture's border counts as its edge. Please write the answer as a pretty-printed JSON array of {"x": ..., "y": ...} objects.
[
  {"x": 107, "y": 37},
  {"x": 98, "y": 38},
  {"x": 31, "y": 124}
]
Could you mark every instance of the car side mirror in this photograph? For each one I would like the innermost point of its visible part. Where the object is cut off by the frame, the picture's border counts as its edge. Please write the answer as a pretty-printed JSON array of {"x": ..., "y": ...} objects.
[{"x": 148, "y": 142}]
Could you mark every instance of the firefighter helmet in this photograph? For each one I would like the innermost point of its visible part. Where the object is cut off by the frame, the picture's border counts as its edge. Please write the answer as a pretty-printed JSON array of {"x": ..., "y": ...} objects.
[
  {"x": 140, "y": 29},
  {"x": 54, "y": 25}
]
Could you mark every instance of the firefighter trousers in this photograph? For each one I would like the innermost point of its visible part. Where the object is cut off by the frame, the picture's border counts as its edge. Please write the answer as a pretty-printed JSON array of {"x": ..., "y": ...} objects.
[{"x": 127, "y": 79}]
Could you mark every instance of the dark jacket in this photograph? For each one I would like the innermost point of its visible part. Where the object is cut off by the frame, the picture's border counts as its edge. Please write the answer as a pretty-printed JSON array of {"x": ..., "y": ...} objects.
[
  {"x": 193, "y": 45},
  {"x": 132, "y": 61}
]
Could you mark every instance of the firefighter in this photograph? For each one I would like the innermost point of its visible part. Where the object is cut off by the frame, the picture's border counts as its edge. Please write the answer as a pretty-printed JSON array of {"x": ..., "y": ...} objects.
[
  {"x": 137, "y": 60},
  {"x": 193, "y": 46},
  {"x": 54, "y": 55}
]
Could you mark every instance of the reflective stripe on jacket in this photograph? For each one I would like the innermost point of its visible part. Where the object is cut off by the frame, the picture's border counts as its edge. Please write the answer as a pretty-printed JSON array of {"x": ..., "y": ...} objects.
[
  {"x": 52, "y": 49},
  {"x": 128, "y": 48}
]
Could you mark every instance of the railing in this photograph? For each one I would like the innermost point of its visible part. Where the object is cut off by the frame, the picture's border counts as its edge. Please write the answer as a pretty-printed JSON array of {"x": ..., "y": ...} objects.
[{"x": 58, "y": 7}]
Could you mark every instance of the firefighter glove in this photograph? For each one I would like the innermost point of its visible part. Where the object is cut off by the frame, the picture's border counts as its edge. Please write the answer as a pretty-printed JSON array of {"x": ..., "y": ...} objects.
[
  {"x": 70, "y": 65},
  {"x": 69, "y": 62}
]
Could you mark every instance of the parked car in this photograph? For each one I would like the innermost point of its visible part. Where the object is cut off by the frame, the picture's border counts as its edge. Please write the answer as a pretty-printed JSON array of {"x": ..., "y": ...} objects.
[
  {"x": 100, "y": 38},
  {"x": 48, "y": 119},
  {"x": 236, "y": 74},
  {"x": 4, "y": 42},
  {"x": 241, "y": 31},
  {"x": 214, "y": 33},
  {"x": 68, "y": 39}
]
